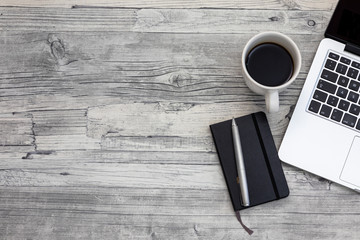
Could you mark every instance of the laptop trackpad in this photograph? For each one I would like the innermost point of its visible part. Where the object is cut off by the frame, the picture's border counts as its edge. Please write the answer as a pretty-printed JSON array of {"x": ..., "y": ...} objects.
[{"x": 350, "y": 172}]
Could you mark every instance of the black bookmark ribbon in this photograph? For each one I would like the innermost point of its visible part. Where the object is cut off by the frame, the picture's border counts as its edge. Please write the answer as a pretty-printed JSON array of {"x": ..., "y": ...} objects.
[{"x": 248, "y": 230}]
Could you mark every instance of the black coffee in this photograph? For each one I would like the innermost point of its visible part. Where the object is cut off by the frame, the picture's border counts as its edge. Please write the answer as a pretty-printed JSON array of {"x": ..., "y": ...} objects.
[{"x": 269, "y": 64}]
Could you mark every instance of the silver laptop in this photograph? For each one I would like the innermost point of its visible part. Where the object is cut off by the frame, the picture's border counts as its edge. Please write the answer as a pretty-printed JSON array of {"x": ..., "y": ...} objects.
[{"x": 323, "y": 136}]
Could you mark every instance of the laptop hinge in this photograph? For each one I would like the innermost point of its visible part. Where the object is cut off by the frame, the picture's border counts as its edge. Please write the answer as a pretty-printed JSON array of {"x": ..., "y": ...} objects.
[{"x": 352, "y": 48}]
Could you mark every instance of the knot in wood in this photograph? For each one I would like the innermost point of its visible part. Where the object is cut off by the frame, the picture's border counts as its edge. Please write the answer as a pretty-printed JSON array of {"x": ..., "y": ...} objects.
[
  {"x": 57, "y": 49},
  {"x": 311, "y": 23},
  {"x": 180, "y": 79}
]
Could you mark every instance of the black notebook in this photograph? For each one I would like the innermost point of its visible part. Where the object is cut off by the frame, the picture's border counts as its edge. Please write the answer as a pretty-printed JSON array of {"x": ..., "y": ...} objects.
[{"x": 265, "y": 176}]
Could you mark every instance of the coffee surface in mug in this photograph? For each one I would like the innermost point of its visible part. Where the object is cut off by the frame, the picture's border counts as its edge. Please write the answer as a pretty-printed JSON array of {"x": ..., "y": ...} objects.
[{"x": 269, "y": 64}]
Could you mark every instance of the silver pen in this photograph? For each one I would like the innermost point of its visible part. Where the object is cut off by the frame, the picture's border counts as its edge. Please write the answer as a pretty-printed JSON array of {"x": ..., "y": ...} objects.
[{"x": 240, "y": 164}]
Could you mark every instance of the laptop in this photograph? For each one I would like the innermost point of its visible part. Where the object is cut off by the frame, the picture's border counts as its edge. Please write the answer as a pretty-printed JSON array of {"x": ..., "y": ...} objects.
[{"x": 323, "y": 136}]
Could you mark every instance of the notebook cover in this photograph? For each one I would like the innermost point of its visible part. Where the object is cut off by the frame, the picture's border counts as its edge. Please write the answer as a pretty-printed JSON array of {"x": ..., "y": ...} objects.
[{"x": 265, "y": 176}]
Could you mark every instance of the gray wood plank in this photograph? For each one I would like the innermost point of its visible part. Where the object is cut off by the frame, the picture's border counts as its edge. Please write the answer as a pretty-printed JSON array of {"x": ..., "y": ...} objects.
[
  {"x": 172, "y": 68},
  {"x": 162, "y": 20},
  {"x": 167, "y": 213},
  {"x": 248, "y": 4}
]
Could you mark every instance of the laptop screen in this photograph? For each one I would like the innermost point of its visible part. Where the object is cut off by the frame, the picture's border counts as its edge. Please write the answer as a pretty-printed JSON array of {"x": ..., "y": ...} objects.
[{"x": 344, "y": 25}]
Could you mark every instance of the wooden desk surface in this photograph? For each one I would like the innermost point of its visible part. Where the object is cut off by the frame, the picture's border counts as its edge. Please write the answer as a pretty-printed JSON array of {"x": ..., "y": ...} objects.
[{"x": 104, "y": 115}]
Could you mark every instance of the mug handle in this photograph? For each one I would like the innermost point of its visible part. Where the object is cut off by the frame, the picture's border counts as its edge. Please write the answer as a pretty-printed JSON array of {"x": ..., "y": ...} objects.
[{"x": 272, "y": 101}]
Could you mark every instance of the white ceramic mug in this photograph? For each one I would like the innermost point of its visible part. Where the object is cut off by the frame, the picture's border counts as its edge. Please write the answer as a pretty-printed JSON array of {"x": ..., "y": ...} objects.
[{"x": 271, "y": 93}]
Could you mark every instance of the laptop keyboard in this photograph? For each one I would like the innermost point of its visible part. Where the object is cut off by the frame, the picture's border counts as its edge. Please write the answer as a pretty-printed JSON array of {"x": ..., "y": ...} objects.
[{"x": 336, "y": 96}]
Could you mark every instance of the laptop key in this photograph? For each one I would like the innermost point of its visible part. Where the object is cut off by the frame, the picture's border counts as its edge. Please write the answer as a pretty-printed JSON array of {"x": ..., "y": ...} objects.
[
  {"x": 330, "y": 64},
  {"x": 349, "y": 120},
  {"x": 336, "y": 115},
  {"x": 354, "y": 109},
  {"x": 354, "y": 97},
  {"x": 355, "y": 65},
  {"x": 331, "y": 76},
  {"x": 354, "y": 85},
  {"x": 343, "y": 81},
  {"x": 334, "y": 56},
  {"x": 325, "y": 111},
  {"x": 358, "y": 125},
  {"x": 352, "y": 73},
  {"x": 314, "y": 106},
  {"x": 326, "y": 86},
  {"x": 345, "y": 60},
  {"x": 342, "y": 92},
  {"x": 333, "y": 101},
  {"x": 341, "y": 68},
  {"x": 319, "y": 95},
  {"x": 344, "y": 105}
]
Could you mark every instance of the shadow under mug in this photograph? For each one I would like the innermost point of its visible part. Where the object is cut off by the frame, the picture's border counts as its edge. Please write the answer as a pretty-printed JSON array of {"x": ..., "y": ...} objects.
[{"x": 271, "y": 93}]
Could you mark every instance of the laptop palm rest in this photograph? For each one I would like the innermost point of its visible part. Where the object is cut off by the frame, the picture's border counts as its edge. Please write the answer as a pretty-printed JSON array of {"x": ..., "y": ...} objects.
[{"x": 350, "y": 172}]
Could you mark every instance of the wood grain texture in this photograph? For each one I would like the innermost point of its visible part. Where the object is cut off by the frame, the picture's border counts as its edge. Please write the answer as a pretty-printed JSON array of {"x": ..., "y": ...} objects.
[
  {"x": 162, "y": 20},
  {"x": 241, "y": 4},
  {"x": 105, "y": 112}
]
